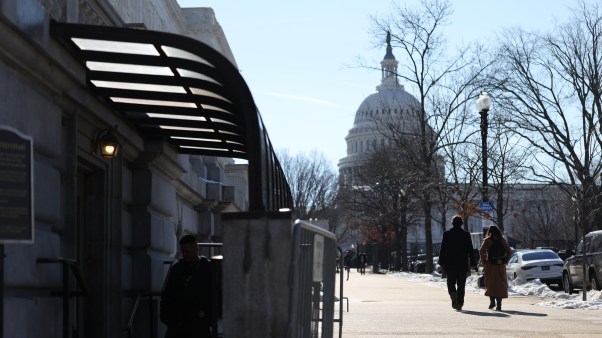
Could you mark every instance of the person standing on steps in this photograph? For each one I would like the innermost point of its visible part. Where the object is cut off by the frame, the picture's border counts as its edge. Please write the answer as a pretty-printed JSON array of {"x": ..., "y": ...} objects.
[
  {"x": 456, "y": 258},
  {"x": 495, "y": 254},
  {"x": 186, "y": 298}
]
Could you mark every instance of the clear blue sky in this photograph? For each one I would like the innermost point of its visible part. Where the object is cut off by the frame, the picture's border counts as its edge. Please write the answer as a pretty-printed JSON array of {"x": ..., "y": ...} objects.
[{"x": 300, "y": 58}]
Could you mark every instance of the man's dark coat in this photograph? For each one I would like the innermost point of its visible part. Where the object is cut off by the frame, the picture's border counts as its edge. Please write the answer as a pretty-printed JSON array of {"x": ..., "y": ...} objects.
[{"x": 456, "y": 250}]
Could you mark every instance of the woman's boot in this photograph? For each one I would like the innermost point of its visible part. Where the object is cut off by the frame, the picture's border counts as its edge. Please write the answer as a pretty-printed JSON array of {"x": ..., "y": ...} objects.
[
  {"x": 499, "y": 304},
  {"x": 491, "y": 302}
]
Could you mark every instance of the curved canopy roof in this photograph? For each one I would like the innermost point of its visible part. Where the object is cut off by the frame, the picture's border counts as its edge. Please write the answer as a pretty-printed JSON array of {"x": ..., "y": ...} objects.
[{"x": 181, "y": 91}]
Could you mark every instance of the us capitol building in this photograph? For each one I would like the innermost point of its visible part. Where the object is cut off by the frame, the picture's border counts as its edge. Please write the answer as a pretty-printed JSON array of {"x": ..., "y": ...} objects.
[{"x": 392, "y": 103}]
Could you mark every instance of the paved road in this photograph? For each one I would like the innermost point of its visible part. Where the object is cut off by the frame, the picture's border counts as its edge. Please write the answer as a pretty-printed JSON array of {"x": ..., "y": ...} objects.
[{"x": 382, "y": 306}]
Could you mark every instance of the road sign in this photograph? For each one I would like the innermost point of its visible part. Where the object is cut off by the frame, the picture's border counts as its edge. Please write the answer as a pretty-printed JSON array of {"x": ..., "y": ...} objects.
[
  {"x": 487, "y": 213},
  {"x": 486, "y": 206}
]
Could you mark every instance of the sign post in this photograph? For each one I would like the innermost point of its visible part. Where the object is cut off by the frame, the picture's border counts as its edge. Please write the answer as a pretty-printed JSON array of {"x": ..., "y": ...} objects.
[{"x": 487, "y": 214}]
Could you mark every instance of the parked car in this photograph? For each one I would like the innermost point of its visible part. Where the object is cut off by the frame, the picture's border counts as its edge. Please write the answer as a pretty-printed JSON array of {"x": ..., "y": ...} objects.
[
  {"x": 572, "y": 274},
  {"x": 412, "y": 261},
  {"x": 542, "y": 264},
  {"x": 481, "y": 267},
  {"x": 438, "y": 268},
  {"x": 564, "y": 254},
  {"x": 420, "y": 265}
]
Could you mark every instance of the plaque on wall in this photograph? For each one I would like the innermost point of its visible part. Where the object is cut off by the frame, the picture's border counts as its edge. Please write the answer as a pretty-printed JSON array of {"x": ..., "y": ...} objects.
[{"x": 16, "y": 187}]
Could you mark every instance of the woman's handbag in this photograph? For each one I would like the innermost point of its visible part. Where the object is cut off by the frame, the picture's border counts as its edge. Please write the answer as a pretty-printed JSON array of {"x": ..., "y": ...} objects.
[{"x": 481, "y": 281}]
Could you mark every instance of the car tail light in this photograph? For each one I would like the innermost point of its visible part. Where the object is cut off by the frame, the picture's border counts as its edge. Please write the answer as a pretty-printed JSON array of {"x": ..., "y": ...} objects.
[{"x": 528, "y": 267}]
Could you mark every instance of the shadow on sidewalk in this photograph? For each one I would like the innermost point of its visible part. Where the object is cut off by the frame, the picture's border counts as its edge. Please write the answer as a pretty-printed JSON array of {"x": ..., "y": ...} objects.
[
  {"x": 484, "y": 314},
  {"x": 503, "y": 313},
  {"x": 521, "y": 313}
]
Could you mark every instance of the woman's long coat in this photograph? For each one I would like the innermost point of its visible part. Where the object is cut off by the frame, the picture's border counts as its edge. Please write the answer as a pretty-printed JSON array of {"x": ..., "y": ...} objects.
[{"x": 496, "y": 282}]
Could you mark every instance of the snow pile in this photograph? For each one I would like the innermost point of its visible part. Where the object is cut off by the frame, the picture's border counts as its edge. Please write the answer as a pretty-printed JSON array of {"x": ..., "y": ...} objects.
[{"x": 536, "y": 288}]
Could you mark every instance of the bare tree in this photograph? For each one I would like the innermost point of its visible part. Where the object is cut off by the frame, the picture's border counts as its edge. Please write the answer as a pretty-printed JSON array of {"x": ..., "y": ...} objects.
[
  {"x": 443, "y": 85},
  {"x": 550, "y": 86},
  {"x": 546, "y": 219},
  {"x": 382, "y": 199},
  {"x": 462, "y": 168},
  {"x": 313, "y": 183},
  {"x": 509, "y": 164}
]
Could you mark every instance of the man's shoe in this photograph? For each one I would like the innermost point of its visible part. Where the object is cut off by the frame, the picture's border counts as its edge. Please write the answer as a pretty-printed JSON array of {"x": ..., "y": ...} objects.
[
  {"x": 454, "y": 299},
  {"x": 491, "y": 303},
  {"x": 459, "y": 307}
]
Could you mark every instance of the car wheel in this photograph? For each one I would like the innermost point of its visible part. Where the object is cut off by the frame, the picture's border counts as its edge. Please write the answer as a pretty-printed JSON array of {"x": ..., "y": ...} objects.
[
  {"x": 593, "y": 281},
  {"x": 566, "y": 283}
]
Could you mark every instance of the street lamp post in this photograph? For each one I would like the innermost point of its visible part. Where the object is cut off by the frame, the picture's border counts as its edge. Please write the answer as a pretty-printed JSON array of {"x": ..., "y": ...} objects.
[{"x": 483, "y": 106}]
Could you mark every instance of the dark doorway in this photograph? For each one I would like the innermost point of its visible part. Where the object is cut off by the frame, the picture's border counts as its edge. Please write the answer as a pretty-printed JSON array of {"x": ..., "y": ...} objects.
[{"x": 91, "y": 250}]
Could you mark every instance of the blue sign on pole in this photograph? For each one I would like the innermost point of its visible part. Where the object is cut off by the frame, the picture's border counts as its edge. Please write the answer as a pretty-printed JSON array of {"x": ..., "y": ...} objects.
[
  {"x": 487, "y": 212},
  {"x": 486, "y": 206}
]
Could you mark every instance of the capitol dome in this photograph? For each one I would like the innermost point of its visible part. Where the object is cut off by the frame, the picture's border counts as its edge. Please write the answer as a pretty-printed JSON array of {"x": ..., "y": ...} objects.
[{"x": 389, "y": 104}]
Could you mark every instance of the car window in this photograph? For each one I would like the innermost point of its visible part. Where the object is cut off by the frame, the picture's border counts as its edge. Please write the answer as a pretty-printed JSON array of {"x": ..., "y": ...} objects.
[
  {"x": 578, "y": 250},
  {"x": 588, "y": 241},
  {"x": 514, "y": 259},
  {"x": 532, "y": 256},
  {"x": 596, "y": 244}
]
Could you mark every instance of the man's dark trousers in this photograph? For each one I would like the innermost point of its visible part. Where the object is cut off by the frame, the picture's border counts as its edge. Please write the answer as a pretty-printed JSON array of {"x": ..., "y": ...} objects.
[{"x": 457, "y": 277}]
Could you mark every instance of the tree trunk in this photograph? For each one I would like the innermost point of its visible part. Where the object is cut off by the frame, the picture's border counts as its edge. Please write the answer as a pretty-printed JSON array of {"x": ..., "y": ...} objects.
[{"x": 428, "y": 234}]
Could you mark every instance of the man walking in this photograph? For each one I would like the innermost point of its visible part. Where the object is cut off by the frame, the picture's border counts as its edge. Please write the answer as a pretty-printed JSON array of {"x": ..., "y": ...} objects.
[{"x": 456, "y": 257}]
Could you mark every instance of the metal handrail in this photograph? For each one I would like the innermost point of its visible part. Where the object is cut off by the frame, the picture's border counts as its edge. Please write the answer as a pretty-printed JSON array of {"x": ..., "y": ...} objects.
[
  {"x": 130, "y": 326},
  {"x": 341, "y": 275},
  {"x": 66, "y": 293}
]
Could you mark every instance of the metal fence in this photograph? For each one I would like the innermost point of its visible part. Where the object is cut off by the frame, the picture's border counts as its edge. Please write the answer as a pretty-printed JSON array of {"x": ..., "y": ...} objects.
[{"x": 313, "y": 275}]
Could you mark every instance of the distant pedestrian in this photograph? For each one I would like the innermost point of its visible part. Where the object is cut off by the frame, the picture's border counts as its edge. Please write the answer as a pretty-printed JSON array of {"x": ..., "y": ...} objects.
[
  {"x": 347, "y": 262},
  {"x": 456, "y": 258},
  {"x": 495, "y": 253},
  {"x": 363, "y": 261}
]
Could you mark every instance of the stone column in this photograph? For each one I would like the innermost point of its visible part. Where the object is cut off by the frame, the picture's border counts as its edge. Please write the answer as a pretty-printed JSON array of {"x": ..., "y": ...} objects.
[{"x": 257, "y": 252}]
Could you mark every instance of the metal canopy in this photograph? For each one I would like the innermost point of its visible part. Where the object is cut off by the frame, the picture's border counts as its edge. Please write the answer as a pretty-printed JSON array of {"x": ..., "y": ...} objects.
[{"x": 181, "y": 91}]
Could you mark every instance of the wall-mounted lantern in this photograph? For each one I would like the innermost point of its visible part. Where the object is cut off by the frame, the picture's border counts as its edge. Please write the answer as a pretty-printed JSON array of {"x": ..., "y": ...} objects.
[{"x": 107, "y": 142}]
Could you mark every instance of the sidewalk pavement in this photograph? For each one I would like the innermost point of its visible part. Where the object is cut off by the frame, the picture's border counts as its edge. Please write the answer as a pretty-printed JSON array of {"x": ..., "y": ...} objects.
[{"x": 388, "y": 305}]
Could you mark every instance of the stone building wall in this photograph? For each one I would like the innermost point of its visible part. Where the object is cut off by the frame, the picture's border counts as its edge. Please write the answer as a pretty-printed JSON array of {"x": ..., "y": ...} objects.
[{"x": 118, "y": 219}]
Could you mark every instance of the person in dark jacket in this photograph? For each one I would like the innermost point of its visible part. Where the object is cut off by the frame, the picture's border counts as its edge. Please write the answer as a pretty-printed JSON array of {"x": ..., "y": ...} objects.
[
  {"x": 186, "y": 297},
  {"x": 456, "y": 258}
]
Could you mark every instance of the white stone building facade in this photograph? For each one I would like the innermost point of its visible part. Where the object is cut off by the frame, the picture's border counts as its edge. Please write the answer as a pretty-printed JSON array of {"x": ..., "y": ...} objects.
[{"x": 119, "y": 219}]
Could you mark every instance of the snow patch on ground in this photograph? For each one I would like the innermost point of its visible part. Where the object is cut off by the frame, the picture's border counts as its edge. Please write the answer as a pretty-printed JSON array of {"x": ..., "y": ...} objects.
[{"x": 535, "y": 288}]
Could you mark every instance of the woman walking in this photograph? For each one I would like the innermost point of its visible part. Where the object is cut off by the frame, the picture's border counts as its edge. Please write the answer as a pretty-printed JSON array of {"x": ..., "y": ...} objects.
[{"x": 495, "y": 253}]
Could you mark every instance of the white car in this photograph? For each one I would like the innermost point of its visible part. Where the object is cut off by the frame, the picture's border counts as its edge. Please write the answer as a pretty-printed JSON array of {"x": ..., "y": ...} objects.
[{"x": 532, "y": 264}]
